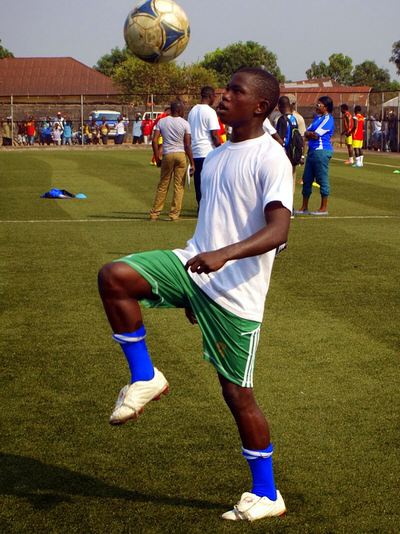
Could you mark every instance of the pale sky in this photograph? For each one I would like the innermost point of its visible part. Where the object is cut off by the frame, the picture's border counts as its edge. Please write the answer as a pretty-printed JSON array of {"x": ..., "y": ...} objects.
[{"x": 297, "y": 31}]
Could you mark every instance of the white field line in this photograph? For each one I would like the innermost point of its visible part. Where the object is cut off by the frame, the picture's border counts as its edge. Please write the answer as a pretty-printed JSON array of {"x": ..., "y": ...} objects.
[
  {"x": 54, "y": 221},
  {"x": 366, "y": 162},
  {"x": 298, "y": 217},
  {"x": 330, "y": 217}
]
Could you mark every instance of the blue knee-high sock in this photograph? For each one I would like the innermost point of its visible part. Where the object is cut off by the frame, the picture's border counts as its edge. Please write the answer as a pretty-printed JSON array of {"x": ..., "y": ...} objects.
[
  {"x": 260, "y": 463},
  {"x": 135, "y": 350}
]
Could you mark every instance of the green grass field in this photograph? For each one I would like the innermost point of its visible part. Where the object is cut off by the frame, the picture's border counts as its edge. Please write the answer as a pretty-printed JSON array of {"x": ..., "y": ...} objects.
[{"x": 327, "y": 373}]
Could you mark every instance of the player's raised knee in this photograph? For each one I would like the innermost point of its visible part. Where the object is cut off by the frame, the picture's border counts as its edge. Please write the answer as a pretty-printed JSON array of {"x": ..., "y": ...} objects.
[{"x": 113, "y": 276}]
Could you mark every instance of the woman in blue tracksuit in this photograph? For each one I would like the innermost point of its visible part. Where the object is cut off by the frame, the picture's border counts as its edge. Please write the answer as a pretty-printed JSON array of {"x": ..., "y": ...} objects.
[{"x": 320, "y": 151}]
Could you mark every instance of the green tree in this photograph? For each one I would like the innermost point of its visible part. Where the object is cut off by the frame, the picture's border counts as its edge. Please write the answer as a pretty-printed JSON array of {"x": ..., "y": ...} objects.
[
  {"x": 394, "y": 86},
  {"x": 395, "y": 57},
  {"x": 108, "y": 63},
  {"x": 368, "y": 73},
  {"x": 225, "y": 62},
  {"x": 193, "y": 77},
  {"x": 138, "y": 77},
  {"x": 317, "y": 70},
  {"x": 340, "y": 69},
  {"x": 4, "y": 52}
]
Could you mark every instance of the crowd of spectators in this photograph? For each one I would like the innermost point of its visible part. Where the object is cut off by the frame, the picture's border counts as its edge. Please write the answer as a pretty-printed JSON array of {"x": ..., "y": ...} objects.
[
  {"x": 60, "y": 130},
  {"x": 383, "y": 133}
]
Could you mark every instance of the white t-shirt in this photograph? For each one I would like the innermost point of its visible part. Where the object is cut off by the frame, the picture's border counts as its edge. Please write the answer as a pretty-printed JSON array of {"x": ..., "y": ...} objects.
[
  {"x": 120, "y": 128},
  {"x": 202, "y": 119},
  {"x": 268, "y": 127},
  {"x": 238, "y": 180},
  {"x": 173, "y": 130}
]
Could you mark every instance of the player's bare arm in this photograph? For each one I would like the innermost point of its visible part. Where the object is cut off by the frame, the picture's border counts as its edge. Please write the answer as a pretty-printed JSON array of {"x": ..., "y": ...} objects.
[
  {"x": 188, "y": 151},
  {"x": 215, "y": 138},
  {"x": 355, "y": 120},
  {"x": 155, "y": 146},
  {"x": 346, "y": 125},
  {"x": 310, "y": 135},
  {"x": 190, "y": 315},
  {"x": 271, "y": 236}
]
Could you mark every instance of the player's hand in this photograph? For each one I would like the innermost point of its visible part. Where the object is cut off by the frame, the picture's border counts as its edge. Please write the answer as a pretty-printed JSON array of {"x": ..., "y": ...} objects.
[
  {"x": 310, "y": 135},
  {"x": 206, "y": 262},
  {"x": 191, "y": 170},
  {"x": 190, "y": 315}
]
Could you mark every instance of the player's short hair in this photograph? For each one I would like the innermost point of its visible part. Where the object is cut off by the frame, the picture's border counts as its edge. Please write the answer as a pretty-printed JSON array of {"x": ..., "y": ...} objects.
[
  {"x": 176, "y": 106},
  {"x": 207, "y": 91},
  {"x": 284, "y": 101},
  {"x": 327, "y": 102},
  {"x": 266, "y": 85},
  {"x": 345, "y": 106},
  {"x": 357, "y": 109}
]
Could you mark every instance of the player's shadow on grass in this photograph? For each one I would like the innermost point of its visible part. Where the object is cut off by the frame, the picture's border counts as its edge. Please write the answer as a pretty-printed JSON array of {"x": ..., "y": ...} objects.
[{"x": 45, "y": 486}]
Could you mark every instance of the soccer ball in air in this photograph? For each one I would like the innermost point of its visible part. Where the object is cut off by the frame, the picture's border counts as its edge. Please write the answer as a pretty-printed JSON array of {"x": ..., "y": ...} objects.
[{"x": 157, "y": 31}]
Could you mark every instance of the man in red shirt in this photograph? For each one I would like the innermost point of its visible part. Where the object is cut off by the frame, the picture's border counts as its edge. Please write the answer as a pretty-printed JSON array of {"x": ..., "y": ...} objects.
[
  {"x": 348, "y": 128},
  {"x": 165, "y": 113},
  {"x": 358, "y": 137},
  {"x": 30, "y": 131}
]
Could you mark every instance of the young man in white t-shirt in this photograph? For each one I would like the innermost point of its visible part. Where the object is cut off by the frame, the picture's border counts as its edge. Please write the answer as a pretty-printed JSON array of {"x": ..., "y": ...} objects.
[
  {"x": 221, "y": 278},
  {"x": 204, "y": 126}
]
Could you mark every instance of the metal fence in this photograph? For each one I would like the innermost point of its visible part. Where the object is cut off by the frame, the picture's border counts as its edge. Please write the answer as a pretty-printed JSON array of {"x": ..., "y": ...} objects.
[{"x": 381, "y": 109}]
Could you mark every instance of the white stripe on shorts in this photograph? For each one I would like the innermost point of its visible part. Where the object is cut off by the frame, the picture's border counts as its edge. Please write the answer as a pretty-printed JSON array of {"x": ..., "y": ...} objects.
[{"x": 249, "y": 370}]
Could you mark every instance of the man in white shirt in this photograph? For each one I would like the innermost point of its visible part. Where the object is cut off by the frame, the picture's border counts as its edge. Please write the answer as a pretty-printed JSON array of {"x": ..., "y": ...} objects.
[
  {"x": 61, "y": 124},
  {"x": 204, "y": 126}
]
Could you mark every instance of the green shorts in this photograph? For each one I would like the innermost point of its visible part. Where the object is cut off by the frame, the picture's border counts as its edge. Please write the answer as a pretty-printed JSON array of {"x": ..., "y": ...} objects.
[{"x": 229, "y": 342}]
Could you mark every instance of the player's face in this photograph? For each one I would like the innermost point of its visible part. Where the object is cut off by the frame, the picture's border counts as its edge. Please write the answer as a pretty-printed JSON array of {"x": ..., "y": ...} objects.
[
  {"x": 240, "y": 102},
  {"x": 320, "y": 108}
]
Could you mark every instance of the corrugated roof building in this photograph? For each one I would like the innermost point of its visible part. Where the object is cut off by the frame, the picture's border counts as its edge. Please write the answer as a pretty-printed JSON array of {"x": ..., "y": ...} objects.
[
  {"x": 307, "y": 92},
  {"x": 41, "y": 86},
  {"x": 55, "y": 76}
]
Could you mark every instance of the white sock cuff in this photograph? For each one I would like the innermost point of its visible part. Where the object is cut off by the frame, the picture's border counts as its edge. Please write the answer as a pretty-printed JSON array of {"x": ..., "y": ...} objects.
[
  {"x": 122, "y": 339},
  {"x": 253, "y": 455}
]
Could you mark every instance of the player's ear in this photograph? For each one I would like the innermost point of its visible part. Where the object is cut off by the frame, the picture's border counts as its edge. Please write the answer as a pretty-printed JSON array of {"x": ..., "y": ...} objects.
[{"x": 262, "y": 107}]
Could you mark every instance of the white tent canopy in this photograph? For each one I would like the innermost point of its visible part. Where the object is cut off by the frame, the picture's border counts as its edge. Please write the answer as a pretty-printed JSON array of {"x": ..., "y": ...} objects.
[{"x": 392, "y": 103}]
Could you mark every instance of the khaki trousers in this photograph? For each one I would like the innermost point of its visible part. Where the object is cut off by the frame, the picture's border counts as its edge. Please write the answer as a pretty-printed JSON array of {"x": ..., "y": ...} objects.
[{"x": 173, "y": 163}]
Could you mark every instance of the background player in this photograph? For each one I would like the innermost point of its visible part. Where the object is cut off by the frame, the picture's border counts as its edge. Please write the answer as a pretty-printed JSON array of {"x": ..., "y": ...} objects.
[
  {"x": 348, "y": 129},
  {"x": 204, "y": 126},
  {"x": 358, "y": 137}
]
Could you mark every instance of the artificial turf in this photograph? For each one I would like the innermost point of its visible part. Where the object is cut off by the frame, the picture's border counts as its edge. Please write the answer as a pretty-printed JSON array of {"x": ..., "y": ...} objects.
[{"x": 327, "y": 371}]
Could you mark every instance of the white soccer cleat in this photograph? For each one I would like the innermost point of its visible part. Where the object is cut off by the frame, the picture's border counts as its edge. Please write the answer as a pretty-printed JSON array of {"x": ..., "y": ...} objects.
[
  {"x": 132, "y": 398},
  {"x": 252, "y": 507}
]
